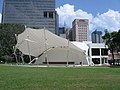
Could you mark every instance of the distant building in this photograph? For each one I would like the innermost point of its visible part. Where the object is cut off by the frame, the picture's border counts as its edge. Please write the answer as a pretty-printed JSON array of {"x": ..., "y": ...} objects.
[
  {"x": 97, "y": 37},
  {"x": 80, "y": 30},
  {"x": 116, "y": 57},
  {"x": 32, "y": 13},
  {"x": 61, "y": 32}
]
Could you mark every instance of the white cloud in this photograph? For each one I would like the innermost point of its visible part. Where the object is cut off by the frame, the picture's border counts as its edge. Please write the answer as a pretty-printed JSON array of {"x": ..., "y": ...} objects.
[
  {"x": 67, "y": 14},
  {"x": 109, "y": 20},
  {"x": 0, "y": 17}
]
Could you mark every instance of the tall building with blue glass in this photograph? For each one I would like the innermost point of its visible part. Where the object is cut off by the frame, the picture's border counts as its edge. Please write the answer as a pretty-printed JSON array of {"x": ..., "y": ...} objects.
[
  {"x": 32, "y": 13},
  {"x": 97, "y": 37}
]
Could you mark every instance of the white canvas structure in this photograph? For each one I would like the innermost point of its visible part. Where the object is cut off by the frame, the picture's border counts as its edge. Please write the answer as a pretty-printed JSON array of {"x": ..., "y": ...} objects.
[
  {"x": 84, "y": 47},
  {"x": 63, "y": 55},
  {"x": 43, "y": 44}
]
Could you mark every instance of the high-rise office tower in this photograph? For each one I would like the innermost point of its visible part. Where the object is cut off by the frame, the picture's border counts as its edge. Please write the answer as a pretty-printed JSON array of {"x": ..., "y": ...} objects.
[
  {"x": 97, "y": 37},
  {"x": 32, "y": 13},
  {"x": 80, "y": 30}
]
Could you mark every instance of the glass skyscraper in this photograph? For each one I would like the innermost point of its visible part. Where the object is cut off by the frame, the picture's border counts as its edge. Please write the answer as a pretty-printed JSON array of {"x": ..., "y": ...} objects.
[
  {"x": 97, "y": 37},
  {"x": 32, "y": 13}
]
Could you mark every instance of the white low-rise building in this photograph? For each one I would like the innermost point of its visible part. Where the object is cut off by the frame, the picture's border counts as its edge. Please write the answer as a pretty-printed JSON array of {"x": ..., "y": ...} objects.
[{"x": 96, "y": 53}]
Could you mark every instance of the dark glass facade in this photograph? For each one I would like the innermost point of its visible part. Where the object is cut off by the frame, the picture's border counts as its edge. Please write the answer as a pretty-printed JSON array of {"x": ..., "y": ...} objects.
[
  {"x": 97, "y": 37},
  {"x": 32, "y": 13},
  {"x": 61, "y": 30}
]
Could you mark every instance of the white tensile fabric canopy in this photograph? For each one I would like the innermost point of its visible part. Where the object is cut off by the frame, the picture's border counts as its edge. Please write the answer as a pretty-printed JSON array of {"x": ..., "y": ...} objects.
[{"x": 35, "y": 42}]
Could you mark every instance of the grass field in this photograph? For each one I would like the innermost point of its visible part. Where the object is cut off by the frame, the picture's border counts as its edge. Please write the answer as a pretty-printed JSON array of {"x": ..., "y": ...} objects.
[{"x": 59, "y": 78}]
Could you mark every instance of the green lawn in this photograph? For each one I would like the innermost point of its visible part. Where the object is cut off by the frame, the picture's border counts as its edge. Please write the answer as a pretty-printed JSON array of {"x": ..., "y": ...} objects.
[{"x": 59, "y": 78}]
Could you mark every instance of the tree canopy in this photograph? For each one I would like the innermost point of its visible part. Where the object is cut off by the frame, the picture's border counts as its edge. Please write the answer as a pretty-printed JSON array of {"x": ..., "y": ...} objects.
[
  {"x": 7, "y": 37},
  {"x": 112, "y": 40}
]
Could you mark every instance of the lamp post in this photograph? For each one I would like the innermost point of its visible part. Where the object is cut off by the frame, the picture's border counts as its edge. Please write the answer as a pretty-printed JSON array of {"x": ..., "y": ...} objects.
[
  {"x": 68, "y": 49},
  {"x": 14, "y": 47},
  {"x": 68, "y": 53},
  {"x": 46, "y": 59},
  {"x": 28, "y": 46}
]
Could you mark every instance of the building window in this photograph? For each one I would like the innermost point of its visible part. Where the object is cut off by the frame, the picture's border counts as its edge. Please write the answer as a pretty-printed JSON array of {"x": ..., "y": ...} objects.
[
  {"x": 48, "y": 15},
  {"x": 95, "y": 52},
  {"x": 96, "y": 60},
  {"x": 45, "y": 14},
  {"x": 104, "y": 60},
  {"x": 104, "y": 51}
]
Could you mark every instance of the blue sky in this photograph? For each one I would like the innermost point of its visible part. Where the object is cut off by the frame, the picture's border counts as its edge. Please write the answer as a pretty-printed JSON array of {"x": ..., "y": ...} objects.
[
  {"x": 92, "y": 6},
  {"x": 103, "y": 14}
]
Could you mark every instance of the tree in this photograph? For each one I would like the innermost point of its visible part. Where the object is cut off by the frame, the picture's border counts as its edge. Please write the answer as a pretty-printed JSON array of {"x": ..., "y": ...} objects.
[
  {"x": 112, "y": 41},
  {"x": 7, "y": 38},
  {"x": 116, "y": 39}
]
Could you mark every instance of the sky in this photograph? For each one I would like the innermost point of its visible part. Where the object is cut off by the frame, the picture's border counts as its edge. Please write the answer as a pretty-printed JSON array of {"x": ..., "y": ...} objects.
[
  {"x": 91, "y": 6},
  {"x": 102, "y": 14}
]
